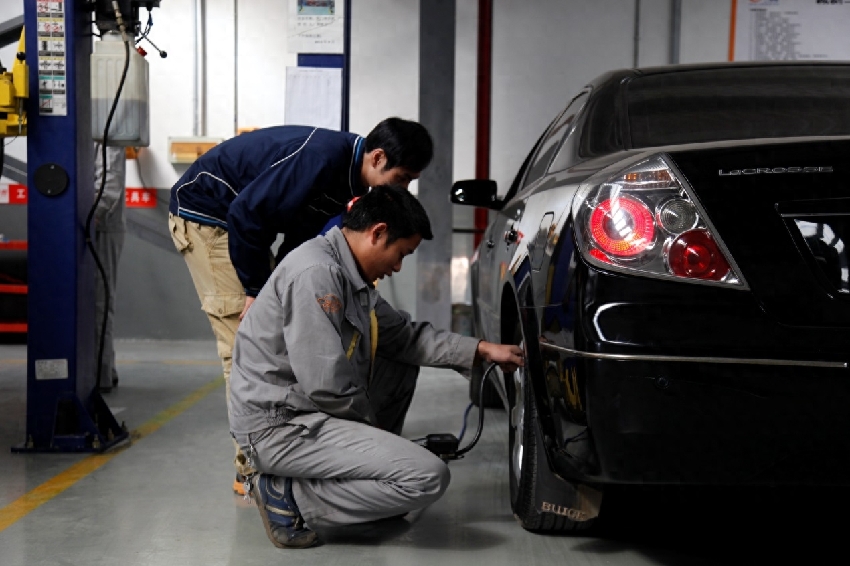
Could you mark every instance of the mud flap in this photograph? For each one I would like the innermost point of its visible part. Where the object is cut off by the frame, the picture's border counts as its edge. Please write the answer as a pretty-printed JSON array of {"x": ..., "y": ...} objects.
[{"x": 553, "y": 494}]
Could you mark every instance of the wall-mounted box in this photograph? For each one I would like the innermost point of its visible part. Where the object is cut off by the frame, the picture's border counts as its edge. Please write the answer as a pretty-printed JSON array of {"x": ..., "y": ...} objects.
[
  {"x": 187, "y": 150},
  {"x": 130, "y": 125}
]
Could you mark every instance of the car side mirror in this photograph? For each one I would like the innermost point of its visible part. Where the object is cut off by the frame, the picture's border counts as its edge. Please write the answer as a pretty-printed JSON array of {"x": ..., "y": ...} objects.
[{"x": 476, "y": 192}]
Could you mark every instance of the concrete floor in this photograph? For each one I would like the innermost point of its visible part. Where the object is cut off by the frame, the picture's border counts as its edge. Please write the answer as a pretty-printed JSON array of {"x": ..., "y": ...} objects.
[{"x": 165, "y": 498}]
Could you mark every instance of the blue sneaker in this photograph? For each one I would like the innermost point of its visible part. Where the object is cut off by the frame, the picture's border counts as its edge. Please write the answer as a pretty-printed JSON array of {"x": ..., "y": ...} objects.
[{"x": 284, "y": 524}]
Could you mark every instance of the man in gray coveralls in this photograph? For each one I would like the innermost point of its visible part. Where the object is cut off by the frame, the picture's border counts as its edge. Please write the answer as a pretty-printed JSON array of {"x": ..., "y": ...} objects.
[
  {"x": 322, "y": 378},
  {"x": 109, "y": 228}
]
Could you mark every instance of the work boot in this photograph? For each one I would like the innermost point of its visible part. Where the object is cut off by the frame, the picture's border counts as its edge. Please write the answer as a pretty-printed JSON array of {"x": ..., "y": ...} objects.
[
  {"x": 284, "y": 524},
  {"x": 239, "y": 484}
]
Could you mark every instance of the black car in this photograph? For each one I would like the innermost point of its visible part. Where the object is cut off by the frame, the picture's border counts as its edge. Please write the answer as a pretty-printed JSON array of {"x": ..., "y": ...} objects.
[{"x": 673, "y": 258}]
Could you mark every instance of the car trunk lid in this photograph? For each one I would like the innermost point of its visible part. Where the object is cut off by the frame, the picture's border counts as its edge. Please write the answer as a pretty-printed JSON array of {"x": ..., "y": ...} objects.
[{"x": 783, "y": 212}]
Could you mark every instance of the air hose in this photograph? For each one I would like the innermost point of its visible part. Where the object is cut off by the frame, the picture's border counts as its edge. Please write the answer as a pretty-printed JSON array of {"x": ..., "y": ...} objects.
[{"x": 446, "y": 445}]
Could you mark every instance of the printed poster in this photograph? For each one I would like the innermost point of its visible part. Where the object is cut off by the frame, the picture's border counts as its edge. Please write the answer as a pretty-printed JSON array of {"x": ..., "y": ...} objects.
[
  {"x": 313, "y": 97},
  {"x": 316, "y": 26},
  {"x": 794, "y": 30},
  {"x": 52, "y": 61}
]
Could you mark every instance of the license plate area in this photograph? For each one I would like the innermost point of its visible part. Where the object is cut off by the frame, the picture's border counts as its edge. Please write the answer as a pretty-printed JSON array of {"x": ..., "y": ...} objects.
[{"x": 821, "y": 231}]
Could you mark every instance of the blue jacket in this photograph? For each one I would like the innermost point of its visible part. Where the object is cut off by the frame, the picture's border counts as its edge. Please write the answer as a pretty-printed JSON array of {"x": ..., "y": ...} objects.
[{"x": 288, "y": 180}]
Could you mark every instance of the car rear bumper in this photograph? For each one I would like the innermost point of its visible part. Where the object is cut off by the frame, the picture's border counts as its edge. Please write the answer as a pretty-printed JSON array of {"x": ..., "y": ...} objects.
[
  {"x": 718, "y": 423},
  {"x": 688, "y": 384}
]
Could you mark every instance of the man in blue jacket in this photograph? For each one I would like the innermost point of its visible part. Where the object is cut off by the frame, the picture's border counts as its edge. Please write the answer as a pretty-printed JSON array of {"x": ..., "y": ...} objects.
[{"x": 230, "y": 206}]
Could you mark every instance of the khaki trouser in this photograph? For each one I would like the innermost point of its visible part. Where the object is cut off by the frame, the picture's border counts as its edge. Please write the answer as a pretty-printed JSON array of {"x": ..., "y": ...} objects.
[{"x": 222, "y": 296}]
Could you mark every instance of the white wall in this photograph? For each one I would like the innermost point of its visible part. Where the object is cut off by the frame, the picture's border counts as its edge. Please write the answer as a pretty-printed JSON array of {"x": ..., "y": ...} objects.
[
  {"x": 705, "y": 31},
  {"x": 384, "y": 70},
  {"x": 384, "y": 83},
  {"x": 262, "y": 63},
  {"x": 543, "y": 52},
  {"x": 384, "y": 62}
]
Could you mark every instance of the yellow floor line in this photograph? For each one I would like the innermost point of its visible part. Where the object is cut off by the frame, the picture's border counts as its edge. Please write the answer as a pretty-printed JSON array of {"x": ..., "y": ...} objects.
[
  {"x": 19, "y": 361},
  {"x": 192, "y": 362},
  {"x": 30, "y": 501}
]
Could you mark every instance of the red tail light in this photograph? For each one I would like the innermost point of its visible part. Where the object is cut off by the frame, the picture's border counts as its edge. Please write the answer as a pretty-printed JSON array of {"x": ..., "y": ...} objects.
[
  {"x": 695, "y": 254},
  {"x": 646, "y": 220},
  {"x": 600, "y": 256},
  {"x": 622, "y": 226}
]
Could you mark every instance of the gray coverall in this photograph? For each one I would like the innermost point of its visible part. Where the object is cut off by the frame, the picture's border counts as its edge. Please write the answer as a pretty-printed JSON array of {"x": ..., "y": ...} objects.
[
  {"x": 306, "y": 403},
  {"x": 109, "y": 232}
]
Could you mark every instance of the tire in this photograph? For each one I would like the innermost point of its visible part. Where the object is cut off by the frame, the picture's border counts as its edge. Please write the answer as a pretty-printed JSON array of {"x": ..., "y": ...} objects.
[
  {"x": 523, "y": 460},
  {"x": 491, "y": 396}
]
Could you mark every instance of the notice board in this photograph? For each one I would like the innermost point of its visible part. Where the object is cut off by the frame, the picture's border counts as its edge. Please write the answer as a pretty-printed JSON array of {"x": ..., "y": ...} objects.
[{"x": 792, "y": 30}]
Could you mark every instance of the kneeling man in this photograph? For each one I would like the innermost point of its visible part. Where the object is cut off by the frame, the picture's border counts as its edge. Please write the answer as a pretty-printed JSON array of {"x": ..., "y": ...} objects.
[{"x": 324, "y": 370}]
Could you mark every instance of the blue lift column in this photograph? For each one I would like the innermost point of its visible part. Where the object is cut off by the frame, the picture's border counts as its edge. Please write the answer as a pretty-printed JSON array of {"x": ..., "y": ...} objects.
[{"x": 65, "y": 412}]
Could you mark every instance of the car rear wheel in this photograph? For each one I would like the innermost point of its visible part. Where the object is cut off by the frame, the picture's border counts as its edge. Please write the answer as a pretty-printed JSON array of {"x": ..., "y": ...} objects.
[{"x": 523, "y": 453}]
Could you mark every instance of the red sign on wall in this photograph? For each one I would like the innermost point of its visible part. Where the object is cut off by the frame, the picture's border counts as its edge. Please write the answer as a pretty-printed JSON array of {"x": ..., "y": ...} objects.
[
  {"x": 136, "y": 197},
  {"x": 13, "y": 194}
]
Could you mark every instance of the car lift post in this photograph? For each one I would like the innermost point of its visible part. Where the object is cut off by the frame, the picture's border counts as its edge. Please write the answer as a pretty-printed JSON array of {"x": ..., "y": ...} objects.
[{"x": 65, "y": 412}]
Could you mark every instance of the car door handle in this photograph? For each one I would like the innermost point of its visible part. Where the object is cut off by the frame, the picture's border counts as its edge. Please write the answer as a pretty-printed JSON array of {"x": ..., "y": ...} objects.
[{"x": 511, "y": 236}]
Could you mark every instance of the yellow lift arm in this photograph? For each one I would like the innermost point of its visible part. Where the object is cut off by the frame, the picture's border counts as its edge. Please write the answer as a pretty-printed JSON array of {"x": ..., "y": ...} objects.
[{"x": 14, "y": 89}]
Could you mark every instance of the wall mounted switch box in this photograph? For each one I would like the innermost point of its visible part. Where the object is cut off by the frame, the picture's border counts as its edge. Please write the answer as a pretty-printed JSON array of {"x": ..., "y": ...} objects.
[{"x": 130, "y": 123}]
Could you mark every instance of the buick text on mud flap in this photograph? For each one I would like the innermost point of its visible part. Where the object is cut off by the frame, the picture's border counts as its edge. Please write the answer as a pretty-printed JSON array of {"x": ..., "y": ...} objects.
[
  {"x": 770, "y": 170},
  {"x": 573, "y": 514}
]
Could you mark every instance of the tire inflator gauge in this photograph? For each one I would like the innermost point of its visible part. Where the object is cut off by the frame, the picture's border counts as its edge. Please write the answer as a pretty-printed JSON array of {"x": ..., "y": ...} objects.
[{"x": 445, "y": 445}]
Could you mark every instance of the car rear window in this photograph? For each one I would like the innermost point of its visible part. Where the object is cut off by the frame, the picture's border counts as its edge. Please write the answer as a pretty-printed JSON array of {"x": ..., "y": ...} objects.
[{"x": 740, "y": 103}]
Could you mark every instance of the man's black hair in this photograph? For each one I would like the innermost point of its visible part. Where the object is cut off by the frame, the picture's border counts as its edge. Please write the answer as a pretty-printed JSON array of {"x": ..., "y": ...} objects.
[
  {"x": 406, "y": 143},
  {"x": 401, "y": 211}
]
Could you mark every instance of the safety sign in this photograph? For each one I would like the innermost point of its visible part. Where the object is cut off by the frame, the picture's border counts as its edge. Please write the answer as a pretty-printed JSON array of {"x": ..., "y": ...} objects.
[
  {"x": 13, "y": 194},
  {"x": 140, "y": 197},
  {"x": 52, "y": 97}
]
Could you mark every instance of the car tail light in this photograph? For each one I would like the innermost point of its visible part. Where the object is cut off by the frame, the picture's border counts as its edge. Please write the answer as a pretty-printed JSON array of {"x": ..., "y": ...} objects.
[
  {"x": 695, "y": 254},
  {"x": 622, "y": 226},
  {"x": 646, "y": 220}
]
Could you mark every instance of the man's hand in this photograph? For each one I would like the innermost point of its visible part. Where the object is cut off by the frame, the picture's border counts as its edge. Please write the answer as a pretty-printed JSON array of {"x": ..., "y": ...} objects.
[
  {"x": 508, "y": 356},
  {"x": 248, "y": 301}
]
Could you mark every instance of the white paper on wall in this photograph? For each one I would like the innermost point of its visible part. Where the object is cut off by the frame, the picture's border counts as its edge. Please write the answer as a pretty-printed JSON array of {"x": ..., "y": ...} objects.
[
  {"x": 801, "y": 30},
  {"x": 314, "y": 97},
  {"x": 316, "y": 26}
]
